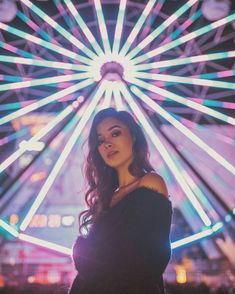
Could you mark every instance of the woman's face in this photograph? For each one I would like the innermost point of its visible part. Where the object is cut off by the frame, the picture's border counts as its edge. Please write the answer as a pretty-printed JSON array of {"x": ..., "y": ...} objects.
[{"x": 115, "y": 143}]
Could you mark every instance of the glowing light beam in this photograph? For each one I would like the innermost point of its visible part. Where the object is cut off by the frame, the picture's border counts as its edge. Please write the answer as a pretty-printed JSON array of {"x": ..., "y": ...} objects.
[
  {"x": 43, "y": 63},
  {"x": 165, "y": 154},
  {"x": 84, "y": 27},
  {"x": 62, "y": 158},
  {"x": 185, "y": 80},
  {"x": 182, "y": 100},
  {"x": 136, "y": 29},
  {"x": 160, "y": 29},
  {"x": 102, "y": 27},
  {"x": 119, "y": 26},
  {"x": 45, "y": 81},
  {"x": 184, "y": 130},
  {"x": 186, "y": 60},
  {"x": 56, "y": 26},
  {"x": 52, "y": 98},
  {"x": 45, "y": 44},
  {"x": 183, "y": 39},
  {"x": 36, "y": 138},
  {"x": 205, "y": 233}
]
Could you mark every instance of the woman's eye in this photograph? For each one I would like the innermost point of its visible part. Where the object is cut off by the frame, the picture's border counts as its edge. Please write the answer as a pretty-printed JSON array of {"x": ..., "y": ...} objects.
[
  {"x": 115, "y": 134},
  {"x": 100, "y": 142}
]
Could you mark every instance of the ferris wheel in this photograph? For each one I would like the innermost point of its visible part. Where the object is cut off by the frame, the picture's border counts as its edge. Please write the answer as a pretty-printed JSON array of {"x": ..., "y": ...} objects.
[{"x": 167, "y": 64}]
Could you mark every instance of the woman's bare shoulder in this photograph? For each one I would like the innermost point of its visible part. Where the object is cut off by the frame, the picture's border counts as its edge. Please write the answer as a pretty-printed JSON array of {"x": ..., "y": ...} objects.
[{"x": 155, "y": 182}]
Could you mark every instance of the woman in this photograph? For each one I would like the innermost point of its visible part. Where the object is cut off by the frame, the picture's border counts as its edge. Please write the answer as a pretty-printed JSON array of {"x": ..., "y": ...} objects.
[{"x": 126, "y": 248}]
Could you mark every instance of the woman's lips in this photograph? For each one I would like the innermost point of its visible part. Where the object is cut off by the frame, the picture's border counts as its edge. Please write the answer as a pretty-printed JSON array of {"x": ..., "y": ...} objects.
[{"x": 112, "y": 154}]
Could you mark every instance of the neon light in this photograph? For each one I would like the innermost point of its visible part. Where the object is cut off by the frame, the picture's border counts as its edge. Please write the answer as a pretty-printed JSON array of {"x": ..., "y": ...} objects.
[
  {"x": 186, "y": 60},
  {"x": 45, "y": 44},
  {"x": 16, "y": 50},
  {"x": 45, "y": 244},
  {"x": 45, "y": 101},
  {"x": 62, "y": 158},
  {"x": 33, "y": 240},
  {"x": 8, "y": 228},
  {"x": 108, "y": 95},
  {"x": 160, "y": 29},
  {"x": 83, "y": 27},
  {"x": 182, "y": 100},
  {"x": 102, "y": 27},
  {"x": 216, "y": 75},
  {"x": 183, "y": 129},
  {"x": 136, "y": 29},
  {"x": 183, "y": 27},
  {"x": 197, "y": 236},
  {"x": 44, "y": 81},
  {"x": 31, "y": 146},
  {"x": 13, "y": 136},
  {"x": 165, "y": 154},
  {"x": 43, "y": 63},
  {"x": 37, "y": 137},
  {"x": 35, "y": 27},
  {"x": 59, "y": 28},
  {"x": 119, "y": 26},
  {"x": 117, "y": 97},
  {"x": 58, "y": 248},
  {"x": 183, "y": 39},
  {"x": 184, "y": 80}
]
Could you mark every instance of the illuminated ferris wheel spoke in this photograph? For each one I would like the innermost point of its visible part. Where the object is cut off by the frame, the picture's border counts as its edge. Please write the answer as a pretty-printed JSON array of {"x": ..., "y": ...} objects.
[
  {"x": 182, "y": 100},
  {"x": 108, "y": 95},
  {"x": 119, "y": 26},
  {"x": 43, "y": 63},
  {"x": 84, "y": 27},
  {"x": 9, "y": 78},
  {"x": 51, "y": 98},
  {"x": 64, "y": 14},
  {"x": 186, "y": 60},
  {"x": 149, "y": 23},
  {"x": 12, "y": 137},
  {"x": 56, "y": 26},
  {"x": 63, "y": 156},
  {"x": 44, "y": 81},
  {"x": 16, "y": 50},
  {"x": 102, "y": 27},
  {"x": 184, "y": 39},
  {"x": 192, "y": 125},
  {"x": 183, "y": 129},
  {"x": 216, "y": 75},
  {"x": 36, "y": 138},
  {"x": 165, "y": 155},
  {"x": 36, "y": 28},
  {"x": 117, "y": 97},
  {"x": 160, "y": 29},
  {"x": 214, "y": 103},
  {"x": 185, "y": 80},
  {"x": 137, "y": 27},
  {"x": 43, "y": 43},
  {"x": 183, "y": 27}
]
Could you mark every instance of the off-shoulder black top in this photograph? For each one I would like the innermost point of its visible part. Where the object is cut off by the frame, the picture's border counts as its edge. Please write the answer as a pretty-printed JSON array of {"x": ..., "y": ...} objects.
[{"x": 128, "y": 248}]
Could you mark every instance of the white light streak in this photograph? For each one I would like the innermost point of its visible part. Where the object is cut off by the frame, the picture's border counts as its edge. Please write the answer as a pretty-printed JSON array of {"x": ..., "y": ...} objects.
[
  {"x": 165, "y": 155},
  {"x": 183, "y": 129},
  {"x": 182, "y": 100},
  {"x": 62, "y": 158}
]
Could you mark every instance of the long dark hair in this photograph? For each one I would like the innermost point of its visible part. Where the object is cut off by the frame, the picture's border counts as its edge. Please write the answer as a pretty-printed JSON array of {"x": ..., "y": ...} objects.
[{"x": 101, "y": 178}]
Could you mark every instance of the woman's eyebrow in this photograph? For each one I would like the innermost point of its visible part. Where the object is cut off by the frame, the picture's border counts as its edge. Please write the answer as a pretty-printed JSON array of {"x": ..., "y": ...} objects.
[{"x": 115, "y": 126}]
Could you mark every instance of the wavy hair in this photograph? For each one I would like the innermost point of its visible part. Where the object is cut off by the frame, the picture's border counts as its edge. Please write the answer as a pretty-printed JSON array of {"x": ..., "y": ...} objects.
[{"x": 102, "y": 179}]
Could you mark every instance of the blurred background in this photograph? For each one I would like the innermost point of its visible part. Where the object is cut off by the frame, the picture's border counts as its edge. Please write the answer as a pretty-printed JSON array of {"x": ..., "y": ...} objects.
[{"x": 172, "y": 65}]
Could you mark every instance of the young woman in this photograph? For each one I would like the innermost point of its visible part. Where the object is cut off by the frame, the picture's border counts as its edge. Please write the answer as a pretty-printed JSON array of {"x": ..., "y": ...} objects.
[{"x": 126, "y": 247}]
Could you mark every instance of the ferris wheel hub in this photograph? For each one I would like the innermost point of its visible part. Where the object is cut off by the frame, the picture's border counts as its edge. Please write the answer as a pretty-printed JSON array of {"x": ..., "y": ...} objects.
[{"x": 112, "y": 71}]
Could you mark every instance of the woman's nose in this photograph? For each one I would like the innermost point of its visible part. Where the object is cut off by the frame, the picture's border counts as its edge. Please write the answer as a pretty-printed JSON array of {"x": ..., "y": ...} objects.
[{"x": 107, "y": 144}]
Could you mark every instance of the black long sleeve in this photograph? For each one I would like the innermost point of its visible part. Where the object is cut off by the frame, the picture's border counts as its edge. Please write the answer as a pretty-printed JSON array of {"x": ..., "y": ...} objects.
[{"x": 130, "y": 245}]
